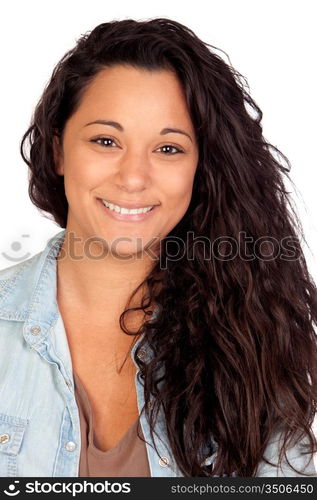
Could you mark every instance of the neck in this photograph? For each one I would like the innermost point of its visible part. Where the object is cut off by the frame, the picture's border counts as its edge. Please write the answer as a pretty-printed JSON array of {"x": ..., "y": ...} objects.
[{"x": 98, "y": 281}]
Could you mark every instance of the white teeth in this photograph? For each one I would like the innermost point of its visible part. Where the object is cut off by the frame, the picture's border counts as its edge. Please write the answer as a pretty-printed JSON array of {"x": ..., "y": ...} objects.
[{"x": 121, "y": 210}]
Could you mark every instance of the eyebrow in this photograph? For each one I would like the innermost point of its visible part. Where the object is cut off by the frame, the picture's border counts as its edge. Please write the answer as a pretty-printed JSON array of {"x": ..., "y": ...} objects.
[{"x": 118, "y": 126}]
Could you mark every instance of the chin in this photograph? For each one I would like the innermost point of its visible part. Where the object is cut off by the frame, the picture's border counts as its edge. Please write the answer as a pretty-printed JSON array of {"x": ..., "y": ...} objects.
[{"x": 125, "y": 250}]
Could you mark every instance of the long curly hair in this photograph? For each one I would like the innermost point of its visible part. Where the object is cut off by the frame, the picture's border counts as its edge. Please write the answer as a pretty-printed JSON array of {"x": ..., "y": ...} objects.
[{"x": 234, "y": 334}]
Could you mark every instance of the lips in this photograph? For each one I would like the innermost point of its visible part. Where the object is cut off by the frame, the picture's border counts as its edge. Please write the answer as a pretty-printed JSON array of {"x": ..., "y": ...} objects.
[
  {"x": 127, "y": 217},
  {"x": 128, "y": 204},
  {"x": 123, "y": 210}
]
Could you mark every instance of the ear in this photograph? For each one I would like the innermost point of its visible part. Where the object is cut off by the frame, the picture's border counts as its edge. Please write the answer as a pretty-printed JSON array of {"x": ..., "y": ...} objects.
[{"x": 58, "y": 156}]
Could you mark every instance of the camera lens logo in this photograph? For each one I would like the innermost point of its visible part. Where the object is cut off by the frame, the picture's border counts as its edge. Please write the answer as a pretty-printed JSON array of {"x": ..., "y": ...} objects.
[
  {"x": 16, "y": 247},
  {"x": 13, "y": 492}
]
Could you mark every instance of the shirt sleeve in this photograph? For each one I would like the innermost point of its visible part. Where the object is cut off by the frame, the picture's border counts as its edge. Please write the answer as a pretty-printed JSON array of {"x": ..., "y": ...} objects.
[{"x": 304, "y": 463}]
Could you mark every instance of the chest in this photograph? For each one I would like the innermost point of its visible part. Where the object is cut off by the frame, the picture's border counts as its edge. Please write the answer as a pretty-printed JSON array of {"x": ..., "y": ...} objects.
[
  {"x": 113, "y": 404},
  {"x": 107, "y": 373}
]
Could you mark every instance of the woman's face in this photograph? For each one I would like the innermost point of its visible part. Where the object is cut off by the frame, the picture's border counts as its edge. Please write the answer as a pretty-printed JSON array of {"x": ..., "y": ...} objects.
[{"x": 134, "y": 160}]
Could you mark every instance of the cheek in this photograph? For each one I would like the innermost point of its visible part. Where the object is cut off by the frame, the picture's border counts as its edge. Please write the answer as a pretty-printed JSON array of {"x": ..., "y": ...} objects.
[
  {"x": 81, "y": 172},
  {"x": 178, "y": 191},
  {"x": 176, "y": 200}
]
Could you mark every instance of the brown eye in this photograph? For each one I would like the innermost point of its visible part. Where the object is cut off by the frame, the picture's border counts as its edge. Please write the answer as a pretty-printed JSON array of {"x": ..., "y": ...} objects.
[
  {"x": 102, "y": 139},
  {"x": 169, "y": 146}
]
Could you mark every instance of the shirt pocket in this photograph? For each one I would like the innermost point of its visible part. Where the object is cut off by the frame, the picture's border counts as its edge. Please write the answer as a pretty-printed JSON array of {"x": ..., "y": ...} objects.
[{"x": 12, "y": 431}]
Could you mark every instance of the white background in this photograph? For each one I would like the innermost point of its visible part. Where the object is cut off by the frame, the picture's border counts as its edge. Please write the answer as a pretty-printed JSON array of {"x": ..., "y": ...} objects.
[{"x": 272, "y": 43}]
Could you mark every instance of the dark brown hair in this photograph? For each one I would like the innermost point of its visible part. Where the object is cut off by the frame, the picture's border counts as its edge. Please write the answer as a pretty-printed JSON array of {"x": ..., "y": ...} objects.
[{"x": 236, "y": 336}]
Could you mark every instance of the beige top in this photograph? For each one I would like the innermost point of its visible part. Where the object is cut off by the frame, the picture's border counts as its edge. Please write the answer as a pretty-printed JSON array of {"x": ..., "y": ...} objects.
[{"x": 127, "y": 459}]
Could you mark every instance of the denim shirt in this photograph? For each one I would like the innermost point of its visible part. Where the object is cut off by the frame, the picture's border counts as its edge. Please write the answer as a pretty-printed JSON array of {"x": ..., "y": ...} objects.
[{"x": 39, "y": 418}]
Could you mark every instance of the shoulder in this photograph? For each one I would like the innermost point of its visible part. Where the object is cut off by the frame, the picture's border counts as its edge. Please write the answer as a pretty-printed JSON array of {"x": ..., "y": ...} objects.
[
  {"x": 17, "y": 272},
  {"x": 22, "y": 283},
  {"x": 16, "y": 283},
  {"x": 10, "y": 273},
  {"x": 30, "y": 265}
]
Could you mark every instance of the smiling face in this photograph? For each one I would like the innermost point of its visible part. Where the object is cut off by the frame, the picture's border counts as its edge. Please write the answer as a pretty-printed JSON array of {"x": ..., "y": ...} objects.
[{"x": 133, "y": 161}]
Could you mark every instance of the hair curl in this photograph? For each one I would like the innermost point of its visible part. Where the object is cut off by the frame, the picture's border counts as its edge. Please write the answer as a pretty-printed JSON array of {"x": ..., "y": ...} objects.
[{"x": 235, "y": 336}]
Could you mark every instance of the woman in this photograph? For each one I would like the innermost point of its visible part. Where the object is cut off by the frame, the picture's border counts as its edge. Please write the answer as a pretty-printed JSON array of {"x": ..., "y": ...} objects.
[{"x": 174, "y": 207}]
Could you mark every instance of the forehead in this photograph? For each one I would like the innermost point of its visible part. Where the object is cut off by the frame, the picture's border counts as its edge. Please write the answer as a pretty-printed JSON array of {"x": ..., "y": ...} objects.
[
  {"x": 124, "y": 89},
  {"x": 124, "y": 77}
]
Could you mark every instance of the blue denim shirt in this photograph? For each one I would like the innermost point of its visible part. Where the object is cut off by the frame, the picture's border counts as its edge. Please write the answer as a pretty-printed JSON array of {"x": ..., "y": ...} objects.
[{"x": 39, "y": 418}]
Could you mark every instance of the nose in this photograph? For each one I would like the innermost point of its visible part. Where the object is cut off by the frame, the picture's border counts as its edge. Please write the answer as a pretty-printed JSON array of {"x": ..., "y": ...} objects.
[{"x": 133, "y": 172}]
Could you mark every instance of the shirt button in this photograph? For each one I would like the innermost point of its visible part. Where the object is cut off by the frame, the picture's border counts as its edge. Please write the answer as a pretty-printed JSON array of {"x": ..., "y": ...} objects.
[
  {"x": 70, "y": 446},
  {"x": 35, "y": 330},
  {"x": 142, "y": 353},
  {"x": 150, "y": 404},
  {"x": 163, "y": 461},
  {"x": 4, "y": 438}
]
